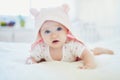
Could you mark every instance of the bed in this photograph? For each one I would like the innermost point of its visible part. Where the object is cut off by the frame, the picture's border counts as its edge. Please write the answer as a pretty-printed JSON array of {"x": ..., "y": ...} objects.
[
  {"x": 13, "y": 56},
  {"x": 13, "y": 67}
]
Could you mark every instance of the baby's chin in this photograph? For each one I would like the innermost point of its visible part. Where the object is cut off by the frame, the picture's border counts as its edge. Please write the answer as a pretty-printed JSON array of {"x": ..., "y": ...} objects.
[{"x": 58, "y": 45}]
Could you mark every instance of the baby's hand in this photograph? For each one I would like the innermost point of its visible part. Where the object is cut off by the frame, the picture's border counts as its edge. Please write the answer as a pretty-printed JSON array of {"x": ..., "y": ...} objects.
[
  {"x": 87, "y": 66},
  {"x": 30, "y": 60}
]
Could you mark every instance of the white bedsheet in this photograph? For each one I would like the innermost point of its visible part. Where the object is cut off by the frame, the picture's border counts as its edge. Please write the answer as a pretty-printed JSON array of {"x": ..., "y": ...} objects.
[{"x": 13, "y": 67}]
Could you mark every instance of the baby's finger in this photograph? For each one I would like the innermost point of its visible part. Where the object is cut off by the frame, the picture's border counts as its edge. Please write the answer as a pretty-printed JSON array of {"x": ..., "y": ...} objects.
[
  {"x": 29, "y": 62},
  {"x": 83, "y": 67}
]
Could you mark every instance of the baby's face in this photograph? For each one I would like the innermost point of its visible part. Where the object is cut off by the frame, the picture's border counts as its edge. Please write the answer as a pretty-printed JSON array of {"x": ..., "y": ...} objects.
[{"x": 54, "y": 34}]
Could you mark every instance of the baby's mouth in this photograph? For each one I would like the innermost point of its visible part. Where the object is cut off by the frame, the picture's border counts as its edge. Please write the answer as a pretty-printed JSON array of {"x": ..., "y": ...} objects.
[{"x": 55, "y": 41}]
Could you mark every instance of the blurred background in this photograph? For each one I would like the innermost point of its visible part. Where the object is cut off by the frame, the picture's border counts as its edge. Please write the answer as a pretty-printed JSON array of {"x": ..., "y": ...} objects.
[{"x": 92, "y": 20}]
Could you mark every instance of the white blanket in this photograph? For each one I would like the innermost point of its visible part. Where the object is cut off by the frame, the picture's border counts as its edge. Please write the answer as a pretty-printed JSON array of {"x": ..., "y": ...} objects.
[{"x": 13, "y": 67}]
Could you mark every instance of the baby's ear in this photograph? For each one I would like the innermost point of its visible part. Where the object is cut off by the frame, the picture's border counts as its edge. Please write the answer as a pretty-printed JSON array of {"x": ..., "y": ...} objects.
[
  {"x": 34, "y": 12},
  {"x": 65, "y": 8}
]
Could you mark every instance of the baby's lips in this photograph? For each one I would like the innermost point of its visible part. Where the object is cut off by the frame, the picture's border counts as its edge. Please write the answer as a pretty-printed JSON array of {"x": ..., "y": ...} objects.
[{"x": 55, "y": 41}]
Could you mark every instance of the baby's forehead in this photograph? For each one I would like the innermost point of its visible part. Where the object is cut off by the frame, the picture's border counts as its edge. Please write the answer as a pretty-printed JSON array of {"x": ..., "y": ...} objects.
[{"x": 49, "y": 24}]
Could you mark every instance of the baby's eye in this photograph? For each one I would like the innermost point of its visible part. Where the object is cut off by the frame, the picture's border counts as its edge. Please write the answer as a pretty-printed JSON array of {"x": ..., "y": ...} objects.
[
  {"x": 59, "y": 29},
  {"x": 47, "y": 31}
]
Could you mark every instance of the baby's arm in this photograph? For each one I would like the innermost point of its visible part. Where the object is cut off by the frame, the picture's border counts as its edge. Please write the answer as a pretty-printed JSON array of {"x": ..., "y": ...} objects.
[
  {"x": 35, "y": 55},
  {"x": 88, "y": 60}
]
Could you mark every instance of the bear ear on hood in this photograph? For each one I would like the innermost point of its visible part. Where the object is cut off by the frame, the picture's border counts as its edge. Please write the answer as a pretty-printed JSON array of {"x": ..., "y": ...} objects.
[
  {"x": 66, "y": 8},
  {"x": 34, "y": 12}
]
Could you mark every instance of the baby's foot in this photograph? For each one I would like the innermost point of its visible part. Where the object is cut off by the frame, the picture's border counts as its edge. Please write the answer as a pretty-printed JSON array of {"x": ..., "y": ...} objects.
[{"x": 99, "y": 50}]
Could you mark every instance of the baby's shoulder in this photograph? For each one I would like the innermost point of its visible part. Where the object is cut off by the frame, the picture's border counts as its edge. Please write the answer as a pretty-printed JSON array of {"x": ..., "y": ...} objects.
[{"x": 74, "y": 46}]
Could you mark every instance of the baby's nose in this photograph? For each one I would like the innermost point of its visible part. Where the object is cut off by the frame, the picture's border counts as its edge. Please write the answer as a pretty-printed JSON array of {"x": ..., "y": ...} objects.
[{"x": 54, "y": 35}]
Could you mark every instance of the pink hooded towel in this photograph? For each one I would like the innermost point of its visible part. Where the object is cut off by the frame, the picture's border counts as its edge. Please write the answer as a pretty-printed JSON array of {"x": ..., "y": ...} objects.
[{"x": 58, "y": 14}]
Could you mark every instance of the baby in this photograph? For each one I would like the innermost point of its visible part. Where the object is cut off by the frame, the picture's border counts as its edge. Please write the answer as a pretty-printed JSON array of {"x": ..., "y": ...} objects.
[{"x": 55, "y": 40}]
